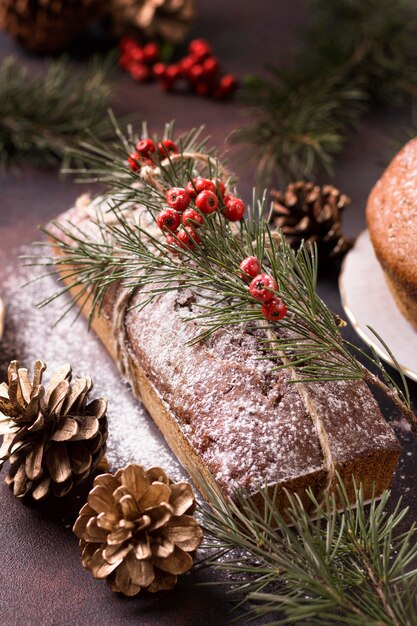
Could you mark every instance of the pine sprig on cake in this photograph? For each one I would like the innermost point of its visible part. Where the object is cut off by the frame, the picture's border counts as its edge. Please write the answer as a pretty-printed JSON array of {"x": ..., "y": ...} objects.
[
  {"x": 349, "y": 567},
  {"x": 207, "y": 259}
]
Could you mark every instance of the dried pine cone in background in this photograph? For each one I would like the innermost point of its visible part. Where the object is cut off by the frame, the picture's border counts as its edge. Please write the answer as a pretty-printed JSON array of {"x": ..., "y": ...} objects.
[
  {"x": 313, "y": 213},
  {"x": 168, "y": 19},
  {"x": 47, "y": 26},
  {"x": 53, "y": 438},
  {"x": 136, "y": 530}
]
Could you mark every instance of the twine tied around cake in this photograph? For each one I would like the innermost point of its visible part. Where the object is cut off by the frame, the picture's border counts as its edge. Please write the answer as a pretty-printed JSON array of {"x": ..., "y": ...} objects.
[
  {"x": 329, "y": 462},
  {"x": 150, "y": 174}
]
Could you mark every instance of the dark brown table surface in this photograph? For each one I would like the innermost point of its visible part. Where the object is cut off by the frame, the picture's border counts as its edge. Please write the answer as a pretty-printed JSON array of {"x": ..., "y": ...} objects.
[{"x": 41, "y": 578}]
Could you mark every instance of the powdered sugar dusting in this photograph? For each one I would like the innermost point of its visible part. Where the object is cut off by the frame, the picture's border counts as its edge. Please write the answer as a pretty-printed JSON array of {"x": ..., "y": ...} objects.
[
  {"x": 29, "y": 334},
  {"x": 247, "y": 424}
]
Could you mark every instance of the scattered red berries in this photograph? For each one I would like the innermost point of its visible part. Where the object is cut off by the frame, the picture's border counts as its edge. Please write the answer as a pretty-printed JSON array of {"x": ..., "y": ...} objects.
[
  {"x": 207, "y": 202},
  {"x": 234, "y": 208},
  {"x": 274, "y": 310},
  {"x": 168, "y": 219},
  {"x": 263, "y": 287},
  {"x": 250, "y": 267},
  {"x": 178, "y": 198},
  {"x": 199, "y": 69},
  {"x": 192, "y": 218}
]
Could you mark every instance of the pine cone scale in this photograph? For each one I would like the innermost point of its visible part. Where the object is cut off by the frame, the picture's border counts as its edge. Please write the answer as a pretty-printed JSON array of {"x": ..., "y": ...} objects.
[{"x": 33, "y": 463}]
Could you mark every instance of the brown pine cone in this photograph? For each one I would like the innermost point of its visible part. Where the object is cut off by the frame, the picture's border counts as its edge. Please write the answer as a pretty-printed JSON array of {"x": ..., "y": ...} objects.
[
  {"x": 136, "y": 530},
  {"x": 308, "y": 212},
  {"x": 169, "y": 19},
  {"x": 47, "y": 26},
  {"x": 53, "y": 439}
]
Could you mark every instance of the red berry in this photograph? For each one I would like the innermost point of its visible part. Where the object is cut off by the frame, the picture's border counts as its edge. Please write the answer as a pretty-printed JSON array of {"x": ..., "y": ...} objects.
[
  {"x": 167, "y": 146},
  {"x": 234, "y": 209},
  {"x": 134, "y": 160},
  {"x": 159, "y": 70},
  {"x": 136, "y": 54},
  {"x": 193, "y": 235},
  {"x": 220, "y": 186},
  {"x": 171, "y": 243},
  {"x": 186, "y": 240},
  {"x": 202, "y": 88},
  {"x": 195, "y": 73},
  {"x": 151, "y": 52},
  {"x": 139, "y": 71},
  {"x": 186, "y": 64},
  {"x": 190, "y": 217},
  {"x": 172, "y": 72},
  {"x": 250, "y": 267},
  {"x": 228, "y": 83},
  {"x": 127, "y": 45},
  {"x": 200, "y": 48},
  {"x": 274, "y": 310},
  {"x": 178, "y": 198},
  {"x": 145, "y": 146},
  {"x": 210, "y": 66},
  {"x": 125, "y": 60},
  {"x": 203, "y": 184},
  {"x": 168, "y": 219},
  {"x": 207, "y": 202},
  {"x": 262, "y": 287}
]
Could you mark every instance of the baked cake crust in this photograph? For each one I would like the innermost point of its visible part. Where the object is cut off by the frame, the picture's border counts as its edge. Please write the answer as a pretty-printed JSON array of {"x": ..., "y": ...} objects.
[
  {"x": 226, "y": 414},
  {"x": 392, "y": 220}
]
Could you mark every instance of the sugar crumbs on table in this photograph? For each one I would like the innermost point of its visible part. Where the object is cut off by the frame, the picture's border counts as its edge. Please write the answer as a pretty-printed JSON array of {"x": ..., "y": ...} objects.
[{"x": 31, "y": 334}]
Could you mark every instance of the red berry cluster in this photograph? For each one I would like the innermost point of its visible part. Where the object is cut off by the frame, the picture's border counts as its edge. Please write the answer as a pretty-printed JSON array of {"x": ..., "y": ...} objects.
[
  {"x": 181, "y": 220},
  {"x": 147, "y": 151},
  {"x": 199, "y": 69},
  {"x": 262, "y": 287}
]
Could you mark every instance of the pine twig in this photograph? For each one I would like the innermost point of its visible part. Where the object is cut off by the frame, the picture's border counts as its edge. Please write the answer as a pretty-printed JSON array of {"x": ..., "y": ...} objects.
[
  {"x": 356, "y": 54},
  {"x": 308, "y": 340},
  {"x": 40, "y": 117},
  {"x": 350, "y": 567}
]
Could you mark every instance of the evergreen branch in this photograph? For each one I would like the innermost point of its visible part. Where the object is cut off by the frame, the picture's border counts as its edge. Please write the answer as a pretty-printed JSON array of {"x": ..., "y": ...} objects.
[
  {"x": 307, "y": 339},
  {"x": 356, "y": 54},
  {"x": 40, "y": 117},
  {"x": 354, "y": 567}
]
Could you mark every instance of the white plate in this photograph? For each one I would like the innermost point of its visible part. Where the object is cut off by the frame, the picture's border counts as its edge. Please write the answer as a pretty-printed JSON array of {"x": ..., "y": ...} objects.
[{"x": 368, "y": 302}]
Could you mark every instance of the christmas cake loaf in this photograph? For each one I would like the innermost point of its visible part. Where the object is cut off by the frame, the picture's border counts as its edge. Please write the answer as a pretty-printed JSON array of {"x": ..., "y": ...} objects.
[
  {"x": 392, "y": 219},
  {"x": 225, "y": 412}
]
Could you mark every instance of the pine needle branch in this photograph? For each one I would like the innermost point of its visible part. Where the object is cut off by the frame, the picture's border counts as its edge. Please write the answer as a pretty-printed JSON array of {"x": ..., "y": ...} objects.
[
  {"x": 355, "y": 567},
  {"x": 308, "y": 339},
  {"x": 40, "y": 117},
  {"x": 356, "y": 54}
]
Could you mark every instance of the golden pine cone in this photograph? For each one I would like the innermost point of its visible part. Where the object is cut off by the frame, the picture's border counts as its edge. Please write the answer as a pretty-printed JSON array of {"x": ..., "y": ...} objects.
[
  {"x": 47, "y": 26},
  {"x": 169, "y": 19},
  {"x": 136, "y": 530},
  {"x": 305, "y": 211},
  {"x": 53, "y": 438}
]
